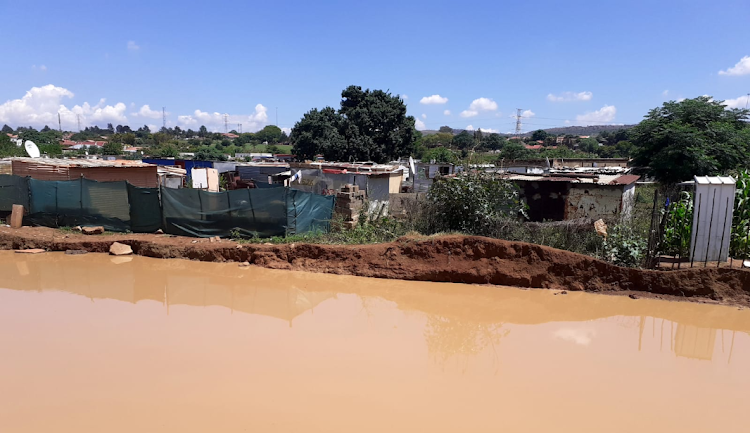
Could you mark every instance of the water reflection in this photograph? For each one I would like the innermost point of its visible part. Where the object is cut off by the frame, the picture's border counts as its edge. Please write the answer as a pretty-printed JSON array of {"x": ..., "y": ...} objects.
[{"x": 461, "y": 322}]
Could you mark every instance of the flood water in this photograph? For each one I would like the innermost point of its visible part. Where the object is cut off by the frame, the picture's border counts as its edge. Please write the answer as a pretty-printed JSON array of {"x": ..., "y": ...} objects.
[{"x": 95, "y": 343}]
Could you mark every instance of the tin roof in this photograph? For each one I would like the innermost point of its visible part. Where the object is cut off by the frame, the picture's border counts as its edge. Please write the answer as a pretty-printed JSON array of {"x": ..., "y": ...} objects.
[
  {"x": 60, "y": 162},
  {"x": 601, "y": 179}
]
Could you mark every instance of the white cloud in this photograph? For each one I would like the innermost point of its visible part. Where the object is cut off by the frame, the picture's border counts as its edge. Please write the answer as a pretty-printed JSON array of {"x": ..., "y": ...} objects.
[
  {"x": 215, "y": 121},
  {"x": 147, "y": 112},
  {"x": 286, "y": 130},
  {"x": 528, "y": 113},
  {"x": 740, "y": 102},
  {"x": 419, "y": 125},
  {"x": 581, "y": 337},
  {"x": 469, "y": 128},
  {"x": 665, "y": 93},
  {"x": 42, "y": 68},
  {"x": 424, "y": 116},
  {"x": 447, "y": 112},
  {"x": 132, "y": 46},
  {"x": 40, "y": 106},
  {"x": 434, "y": 99},
  {"x": 605, "y": 114},
  {"x": 741, "y": 68},
  {"x": 477, "y": 105},
  {"x": 489, "y": 130},
  {"x": 570, "y": 96}
]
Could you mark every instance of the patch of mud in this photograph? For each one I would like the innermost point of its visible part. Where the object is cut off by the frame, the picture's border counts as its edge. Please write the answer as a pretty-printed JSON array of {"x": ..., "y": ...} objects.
[{"x": 457, "y": 259}]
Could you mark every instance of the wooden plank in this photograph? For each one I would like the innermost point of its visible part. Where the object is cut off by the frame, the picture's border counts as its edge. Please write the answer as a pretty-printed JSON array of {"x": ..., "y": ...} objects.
[{"x": 16, "y": 216}]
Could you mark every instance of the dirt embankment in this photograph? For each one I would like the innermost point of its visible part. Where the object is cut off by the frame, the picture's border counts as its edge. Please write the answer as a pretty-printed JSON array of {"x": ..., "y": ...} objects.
[{"x": 458, "y": 259}]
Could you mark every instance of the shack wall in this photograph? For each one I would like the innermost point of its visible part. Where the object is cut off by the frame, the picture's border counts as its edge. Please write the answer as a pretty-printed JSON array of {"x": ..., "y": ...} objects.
[
  {"x": 595, "y": 201},
  {"x": 144, "y": 177}
]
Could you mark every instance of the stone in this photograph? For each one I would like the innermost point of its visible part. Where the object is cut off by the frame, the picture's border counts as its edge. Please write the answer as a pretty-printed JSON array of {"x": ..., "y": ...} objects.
[
  {"x": 632, "y": 296},
  {"x": 31, "y": 251},
  {"x": 97, "y": 230},
  {"x": 16, "y": 216},
  {"x": 118, "y": 249},
  {"x": 244, "y": 264},
  {"x": 159, "y": 232},
  {"x": 214, "y": 239}
]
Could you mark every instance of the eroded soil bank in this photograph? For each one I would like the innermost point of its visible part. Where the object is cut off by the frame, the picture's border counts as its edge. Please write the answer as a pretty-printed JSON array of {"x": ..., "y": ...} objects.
[{"x": 457, "y": 259}]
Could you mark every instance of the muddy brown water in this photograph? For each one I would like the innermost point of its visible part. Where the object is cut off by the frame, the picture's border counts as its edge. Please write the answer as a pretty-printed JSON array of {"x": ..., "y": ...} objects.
[{"x": 94, "y": 343}]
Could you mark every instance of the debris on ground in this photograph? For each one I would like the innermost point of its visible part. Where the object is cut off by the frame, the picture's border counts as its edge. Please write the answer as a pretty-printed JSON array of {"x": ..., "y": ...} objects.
[
  {"x": 31, "y": 251},
  {"x": 118, "y": 249},
  {"x": 244, "y": 264},
  {"x": 96, "y": 230},
  {"x": 601, "y": 228},
  {"x": 75, "y": 252},
  {"x": 632, "y": 296}
]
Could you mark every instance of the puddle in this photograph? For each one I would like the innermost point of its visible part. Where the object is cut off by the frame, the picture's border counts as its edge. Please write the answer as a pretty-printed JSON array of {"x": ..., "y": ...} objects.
[{"x": 91, "y": 343}]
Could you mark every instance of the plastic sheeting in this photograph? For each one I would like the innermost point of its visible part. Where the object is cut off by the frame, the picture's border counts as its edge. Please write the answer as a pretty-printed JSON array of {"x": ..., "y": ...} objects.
[
  {"x": 119, "y": 206},
  {"x": 13, "y": 190},
  {"x": 68, "y": 203}
]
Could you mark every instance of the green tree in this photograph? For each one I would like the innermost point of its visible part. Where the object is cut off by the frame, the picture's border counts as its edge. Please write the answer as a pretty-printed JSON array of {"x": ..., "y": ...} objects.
[
  {"x": 446, "y": 130},
  {"x": 493, "y": 141},
  {"x": 539, "y": 134},
  {"x": 7, "y": 129},
  {"x": 590, "y": 145},
  {"x": 9, "y": 148},
  {"x": 439, "y": 139},
  {"x": 514, "y": 150},
  {"x": 439, "y": 154},
  {"x": 202, "y": 131},
  {"x": 112, "y": 147},
  {"x": 693, "y": 137},
  {"x": 370, "y": 125},
  {"x": 270, "y": 133},
  {"x": 463, "y": 140},
  {"x": 210, "y": 154}
]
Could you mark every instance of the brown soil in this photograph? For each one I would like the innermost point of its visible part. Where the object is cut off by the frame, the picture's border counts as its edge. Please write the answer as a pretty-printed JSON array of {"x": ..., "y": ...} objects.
[{"x": 457, "y": 259}]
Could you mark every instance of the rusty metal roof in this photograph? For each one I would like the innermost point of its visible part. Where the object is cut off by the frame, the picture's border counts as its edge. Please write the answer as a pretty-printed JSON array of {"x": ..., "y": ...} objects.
[
  {"x": 625, "y": 179},
  {"x": 602, "y": 179},
  {"x": 60, "y": 162}
]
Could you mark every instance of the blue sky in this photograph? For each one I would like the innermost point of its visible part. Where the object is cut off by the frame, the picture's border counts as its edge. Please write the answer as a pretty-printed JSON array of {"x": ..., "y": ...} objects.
[{"x": 567, "y": 63}]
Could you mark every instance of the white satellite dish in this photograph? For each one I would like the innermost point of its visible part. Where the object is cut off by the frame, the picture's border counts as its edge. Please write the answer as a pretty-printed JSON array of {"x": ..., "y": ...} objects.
[{"x": 31, "y": 149}]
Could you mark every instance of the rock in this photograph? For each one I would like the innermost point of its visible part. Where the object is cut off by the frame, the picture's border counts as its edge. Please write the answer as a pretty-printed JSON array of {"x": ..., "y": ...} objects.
[
  {"x": 75, "y": 252},
  {"x": 214, "y": 239},
  {"x": 244, "y": 264},
  {"x": 268, "y": 243},
  {"x": 77, "y": 228},
  {"x": 159, "y": 232},
  {"x": 31, "y": 251},
  {"x": 195, "y": 242},
  {"x": 118, "y": 249},
  {"x": 564, "y": 292},
  {"x": 92, "y": 230},
  {"x": 632, "y": 296}
]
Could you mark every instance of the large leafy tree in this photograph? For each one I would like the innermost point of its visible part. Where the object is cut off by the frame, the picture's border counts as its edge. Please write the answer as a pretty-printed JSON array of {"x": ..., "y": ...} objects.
[
  {"x": 270, "y": 133},
  {"x": 370, "y": 125},
  {"x": 463, "y": 140},
  {"x": 693, "y": 137}
]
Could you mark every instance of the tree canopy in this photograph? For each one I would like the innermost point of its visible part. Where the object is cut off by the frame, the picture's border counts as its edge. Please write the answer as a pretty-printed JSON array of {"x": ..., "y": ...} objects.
[
  {"x": 693, "y": 137},
  {"x": 370, "y": 125}
]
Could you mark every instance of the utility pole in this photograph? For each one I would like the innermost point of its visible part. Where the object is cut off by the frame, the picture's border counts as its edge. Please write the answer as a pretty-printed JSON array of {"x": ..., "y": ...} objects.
[
  {"x": 59, "y": 122},
  {"x": 518, "y": 121},
  {"x": 226, "y": 123},
  {"x": 78, "y": 116},
  {"x": 277, "y": 116},
  {"x": 164, "y": 117},
  {"x": 746, "y": 100}
]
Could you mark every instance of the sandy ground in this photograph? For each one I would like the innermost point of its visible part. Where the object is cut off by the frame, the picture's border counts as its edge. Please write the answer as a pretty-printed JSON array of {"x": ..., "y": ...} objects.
[{"x": 459, "y": 259}]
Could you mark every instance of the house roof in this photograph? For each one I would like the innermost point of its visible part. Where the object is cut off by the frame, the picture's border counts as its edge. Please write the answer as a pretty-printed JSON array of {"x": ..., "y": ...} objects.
[
  {"x": 60, "y": 162},
  {"x": 599, "y": 179}
]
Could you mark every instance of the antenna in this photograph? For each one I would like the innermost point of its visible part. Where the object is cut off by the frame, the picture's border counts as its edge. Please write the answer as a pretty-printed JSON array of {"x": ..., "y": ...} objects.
[
  {"x": 59, "y": 122},
  {"x": 78, "y": 116},
  {"x": 226, "y": 123},
  {"x": 164, "y": 117},
  {"x": 518, "y": 121}
]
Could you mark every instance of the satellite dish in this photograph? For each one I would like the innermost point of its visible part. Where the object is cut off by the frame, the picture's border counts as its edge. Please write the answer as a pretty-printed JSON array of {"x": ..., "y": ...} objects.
[{"x": 31, "y": 149}]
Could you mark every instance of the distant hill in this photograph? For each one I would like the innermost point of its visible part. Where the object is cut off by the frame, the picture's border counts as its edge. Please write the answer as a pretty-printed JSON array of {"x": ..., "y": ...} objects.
[
  {"x": 567, "y": 130},
  {"x": 586, "y": 130}
]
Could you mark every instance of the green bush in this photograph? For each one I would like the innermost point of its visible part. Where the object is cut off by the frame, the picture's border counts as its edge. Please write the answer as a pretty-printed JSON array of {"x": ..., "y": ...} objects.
[
  {"x": 624, "y": 247},
  {"x": 678, "y": 226}
]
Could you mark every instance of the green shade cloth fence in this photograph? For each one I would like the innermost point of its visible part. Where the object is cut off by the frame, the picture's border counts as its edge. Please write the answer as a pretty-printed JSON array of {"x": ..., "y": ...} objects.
[{"x": 120, "y": 207}]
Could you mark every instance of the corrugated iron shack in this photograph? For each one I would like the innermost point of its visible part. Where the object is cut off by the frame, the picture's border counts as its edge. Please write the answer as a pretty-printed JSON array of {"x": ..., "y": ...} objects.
[
  {"x": 566, "y": 196},
  {"x": 135, "y": 172}
]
